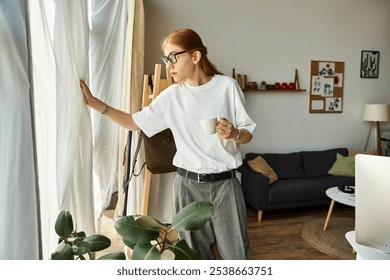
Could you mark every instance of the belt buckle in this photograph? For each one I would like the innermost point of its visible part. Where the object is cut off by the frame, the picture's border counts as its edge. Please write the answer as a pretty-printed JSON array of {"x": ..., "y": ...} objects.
[{"x": 200, "y": 178}]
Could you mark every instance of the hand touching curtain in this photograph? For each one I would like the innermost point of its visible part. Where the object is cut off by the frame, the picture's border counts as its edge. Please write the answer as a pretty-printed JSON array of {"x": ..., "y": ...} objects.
[{"x": 74, "y": 131}]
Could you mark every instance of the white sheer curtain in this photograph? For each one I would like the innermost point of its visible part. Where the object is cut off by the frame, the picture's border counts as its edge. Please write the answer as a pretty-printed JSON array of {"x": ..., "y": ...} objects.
[
  {"x": 19, "y": 231},
  {"x": 107, "y": 45},
  {"x": 44, "y": 80},
  {"x": 59, "y": 45},
  {"x": 74, "y": 131},
  {"x": 70, "y": 129}
]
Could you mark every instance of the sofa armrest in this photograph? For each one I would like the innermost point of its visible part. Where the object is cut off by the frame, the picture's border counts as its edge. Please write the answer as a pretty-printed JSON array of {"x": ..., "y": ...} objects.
[{"x": 255, "y": 187}]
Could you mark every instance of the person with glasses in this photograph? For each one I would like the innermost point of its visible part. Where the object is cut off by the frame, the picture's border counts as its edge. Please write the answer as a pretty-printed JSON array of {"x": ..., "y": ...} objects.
[{"x": 205, "y": 164}]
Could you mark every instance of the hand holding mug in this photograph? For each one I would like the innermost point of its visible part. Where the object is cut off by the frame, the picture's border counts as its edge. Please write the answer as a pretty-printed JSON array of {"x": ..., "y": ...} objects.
[{"x": 225, "y": 129}]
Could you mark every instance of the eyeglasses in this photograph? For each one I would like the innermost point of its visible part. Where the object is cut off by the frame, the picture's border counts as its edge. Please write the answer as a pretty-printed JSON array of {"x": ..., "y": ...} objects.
[{"x": 171, "y": 57}]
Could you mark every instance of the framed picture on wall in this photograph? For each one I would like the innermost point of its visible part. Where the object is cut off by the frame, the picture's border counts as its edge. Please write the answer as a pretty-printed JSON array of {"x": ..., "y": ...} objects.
[{"x": 369, "y": 64}]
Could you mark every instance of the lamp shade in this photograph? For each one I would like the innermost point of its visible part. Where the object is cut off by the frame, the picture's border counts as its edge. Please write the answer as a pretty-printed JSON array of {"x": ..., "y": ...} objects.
[{"x": 376, "y": 112}]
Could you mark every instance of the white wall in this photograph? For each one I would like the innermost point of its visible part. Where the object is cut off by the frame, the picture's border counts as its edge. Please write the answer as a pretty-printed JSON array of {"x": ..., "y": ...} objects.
[{"x": 267, "y": 40}]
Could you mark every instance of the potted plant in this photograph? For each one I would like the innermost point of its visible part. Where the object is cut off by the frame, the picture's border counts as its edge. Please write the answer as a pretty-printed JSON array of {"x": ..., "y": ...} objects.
[
  {"x": 76, "y": 245},
  {"x": 152, "y": 240}
]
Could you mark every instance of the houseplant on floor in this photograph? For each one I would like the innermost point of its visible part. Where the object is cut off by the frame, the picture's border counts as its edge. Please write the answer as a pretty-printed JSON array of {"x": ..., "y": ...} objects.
[
  {"x": 76, "y": 245},
  {"x": 152, "y": 240}
]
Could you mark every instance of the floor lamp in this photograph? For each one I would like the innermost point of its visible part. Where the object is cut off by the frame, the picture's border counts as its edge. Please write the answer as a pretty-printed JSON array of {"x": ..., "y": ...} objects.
[{"x": 376, "y": 113}]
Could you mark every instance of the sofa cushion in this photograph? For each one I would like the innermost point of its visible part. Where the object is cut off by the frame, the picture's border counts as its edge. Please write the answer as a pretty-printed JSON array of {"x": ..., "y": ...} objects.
[
  {"x": 343, "y": 166},
  {"x": 300, "y": 189},
  {"x": 259, "y": 165},
  {"x": 335, "y": 181},
  {"x": 318, "y": 163},
  {"x": 286, "y": 166}
]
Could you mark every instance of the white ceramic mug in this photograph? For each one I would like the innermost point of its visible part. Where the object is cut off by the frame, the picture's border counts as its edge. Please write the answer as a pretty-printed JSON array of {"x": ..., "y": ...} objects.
[{"x": 209, "y": 126}]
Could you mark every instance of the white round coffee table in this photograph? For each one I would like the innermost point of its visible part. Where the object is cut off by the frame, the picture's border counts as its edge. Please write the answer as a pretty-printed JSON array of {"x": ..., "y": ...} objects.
[{"x": 336, "y": 195}]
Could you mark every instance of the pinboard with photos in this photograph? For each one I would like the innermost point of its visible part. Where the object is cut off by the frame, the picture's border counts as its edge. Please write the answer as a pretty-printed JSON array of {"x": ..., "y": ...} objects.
[{"x": 326, "y": 86}]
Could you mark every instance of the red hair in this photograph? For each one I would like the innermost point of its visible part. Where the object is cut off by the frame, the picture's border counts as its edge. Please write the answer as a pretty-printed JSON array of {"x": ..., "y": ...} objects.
[{"x": 190, "y": 41}]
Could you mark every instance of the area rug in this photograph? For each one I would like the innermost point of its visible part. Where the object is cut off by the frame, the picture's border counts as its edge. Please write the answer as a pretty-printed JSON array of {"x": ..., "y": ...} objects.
[{"x": 331, "y": 242}]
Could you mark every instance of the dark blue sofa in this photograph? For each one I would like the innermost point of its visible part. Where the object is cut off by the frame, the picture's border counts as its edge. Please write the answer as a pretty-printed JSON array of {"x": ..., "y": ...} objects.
[{"x": 303, "y": 180}]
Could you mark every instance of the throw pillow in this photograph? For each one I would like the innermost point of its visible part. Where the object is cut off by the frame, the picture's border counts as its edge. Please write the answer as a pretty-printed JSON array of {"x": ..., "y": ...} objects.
[
  {"x": 287, "y": 166},
  {"x": 259, "y": 165},
  {"x": 318, "y": 163},
  {"x": 343, "y": 166}
]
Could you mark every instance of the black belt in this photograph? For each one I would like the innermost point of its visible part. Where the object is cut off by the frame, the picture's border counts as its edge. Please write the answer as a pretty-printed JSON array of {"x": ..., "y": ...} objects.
[{"x": 206, "y": 178}]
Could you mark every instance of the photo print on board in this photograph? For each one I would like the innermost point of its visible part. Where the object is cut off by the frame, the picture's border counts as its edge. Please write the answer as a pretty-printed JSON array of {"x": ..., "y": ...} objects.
[
  {"x": 326, "y": 69},
  {"x": 333, "y": 104},
  {"x": 322, "y": 85}
]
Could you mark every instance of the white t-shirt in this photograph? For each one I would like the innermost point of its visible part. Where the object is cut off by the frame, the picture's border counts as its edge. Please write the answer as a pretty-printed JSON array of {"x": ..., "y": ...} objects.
[{"x": 181, "y": 106}]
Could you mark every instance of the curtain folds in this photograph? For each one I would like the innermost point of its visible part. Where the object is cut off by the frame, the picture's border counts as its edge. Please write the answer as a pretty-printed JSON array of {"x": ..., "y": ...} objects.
[
  {"x": 78, "y": 153},
  {"x": 44, "y": 80},
  {"x": 74, "y": 130},
  {"x": 19, "y": 230},
  {"x": 107, "y": 45}
]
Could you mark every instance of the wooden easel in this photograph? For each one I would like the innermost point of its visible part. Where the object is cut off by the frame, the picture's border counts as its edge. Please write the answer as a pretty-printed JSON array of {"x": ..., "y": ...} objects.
[{"x": 147, "y": 97}]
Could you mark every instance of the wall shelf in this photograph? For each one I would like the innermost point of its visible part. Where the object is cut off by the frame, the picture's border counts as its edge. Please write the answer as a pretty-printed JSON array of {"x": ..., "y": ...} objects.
[
  {"x": 295, "y": 88},
  {"x": 274, "y": 90}
]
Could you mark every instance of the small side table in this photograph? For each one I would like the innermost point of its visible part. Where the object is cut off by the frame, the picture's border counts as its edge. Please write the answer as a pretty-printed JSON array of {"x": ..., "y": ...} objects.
[
  {"x": 336, "y": 195},
  {"x": 364, "y": 252}
]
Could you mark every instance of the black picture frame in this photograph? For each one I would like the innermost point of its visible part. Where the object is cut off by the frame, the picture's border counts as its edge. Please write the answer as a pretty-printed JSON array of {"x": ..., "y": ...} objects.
[{"x": 369, "y": 64}]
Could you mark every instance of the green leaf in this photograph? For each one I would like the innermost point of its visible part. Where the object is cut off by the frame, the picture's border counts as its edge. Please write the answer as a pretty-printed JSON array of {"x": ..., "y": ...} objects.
[
  {"x": 133, "y": 233},
  {"x": 81, "y": 248},
  {"x": 63, "y": 252},
  {"x": 193, "y": 216},
  {"x": 97, "y": 242},
  {"x": 64, "y": 224},
  {"x": 113, "y": 256},
  {"x": 81, "y": 234},
  {"x": 183, "y": 252},
  {"x": 129, "y": 243},
  {"x": 148, "y": 222},
  {"x": 145, "y": 251}
]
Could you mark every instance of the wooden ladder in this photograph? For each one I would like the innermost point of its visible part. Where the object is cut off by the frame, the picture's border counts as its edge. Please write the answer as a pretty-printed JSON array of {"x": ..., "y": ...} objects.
[{"x": 147, "y": 97}]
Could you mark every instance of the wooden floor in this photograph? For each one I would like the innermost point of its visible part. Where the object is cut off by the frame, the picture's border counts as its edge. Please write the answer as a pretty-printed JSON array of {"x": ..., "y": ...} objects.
[{"x": 277, "y": 237}]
